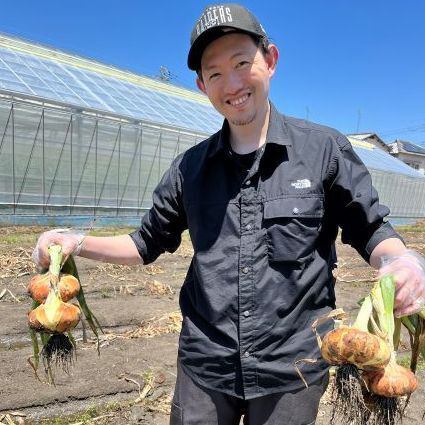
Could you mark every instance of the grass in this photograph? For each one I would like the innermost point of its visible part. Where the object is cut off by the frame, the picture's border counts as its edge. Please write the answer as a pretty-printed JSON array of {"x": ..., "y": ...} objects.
[
  {"x": 19, "y": 239},
  {"x": 87, "y": 415},
  {"x": 111, "y": 231},
  {"x": 417, "y": 228},
  {"x": 404, "y": 360}
]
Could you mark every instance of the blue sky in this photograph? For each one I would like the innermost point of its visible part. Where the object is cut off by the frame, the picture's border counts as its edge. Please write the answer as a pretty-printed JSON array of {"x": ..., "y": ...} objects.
[{"x": 352, "y": 65}]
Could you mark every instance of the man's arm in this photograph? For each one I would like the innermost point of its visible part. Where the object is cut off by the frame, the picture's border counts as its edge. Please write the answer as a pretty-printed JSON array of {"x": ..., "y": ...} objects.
[
  {"x": 160, "y": 231},
  {"x": 111, "y": 249},
  {"x": 391, "y": 247},
  {"x": 356, "y": 208}
]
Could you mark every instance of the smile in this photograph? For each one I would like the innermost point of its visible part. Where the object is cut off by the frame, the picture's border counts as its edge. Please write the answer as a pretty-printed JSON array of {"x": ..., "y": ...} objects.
[{"x": 239, "y": 101}]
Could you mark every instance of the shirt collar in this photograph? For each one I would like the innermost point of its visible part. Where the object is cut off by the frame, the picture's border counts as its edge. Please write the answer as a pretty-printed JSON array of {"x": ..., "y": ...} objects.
[
  {"x": 220, "y": 141},
  {"x": 276, "y": 133}
]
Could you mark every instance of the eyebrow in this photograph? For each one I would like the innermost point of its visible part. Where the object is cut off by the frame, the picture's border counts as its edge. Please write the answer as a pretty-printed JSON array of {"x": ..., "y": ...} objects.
[{"x": 240, "y": 53}]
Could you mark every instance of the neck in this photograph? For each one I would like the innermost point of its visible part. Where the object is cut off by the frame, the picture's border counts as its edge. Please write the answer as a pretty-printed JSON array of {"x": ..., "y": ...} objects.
[{"x": 248, "y": 138}]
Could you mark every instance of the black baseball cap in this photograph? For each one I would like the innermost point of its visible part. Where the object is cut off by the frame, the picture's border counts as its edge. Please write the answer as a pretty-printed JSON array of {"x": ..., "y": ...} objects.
[{"x": 217, "y": 20}]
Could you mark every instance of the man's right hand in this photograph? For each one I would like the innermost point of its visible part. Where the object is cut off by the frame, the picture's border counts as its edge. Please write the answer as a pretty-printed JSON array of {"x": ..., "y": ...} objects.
[{"x": 70, "y": 241}]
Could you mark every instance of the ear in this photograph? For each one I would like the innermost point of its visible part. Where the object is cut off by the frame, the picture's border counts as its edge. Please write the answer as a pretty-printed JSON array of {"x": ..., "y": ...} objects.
[
  {"x": 201, "y": 85},
  {"x": 272, "y": 58}
]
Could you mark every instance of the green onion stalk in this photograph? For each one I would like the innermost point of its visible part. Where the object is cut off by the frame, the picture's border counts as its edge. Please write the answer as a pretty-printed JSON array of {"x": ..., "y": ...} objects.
[{"x": 388, "y": 386}]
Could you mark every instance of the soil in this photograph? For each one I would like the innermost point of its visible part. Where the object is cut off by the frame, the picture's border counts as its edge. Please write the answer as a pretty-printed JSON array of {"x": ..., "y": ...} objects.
[{"x": 132, "y": 379}]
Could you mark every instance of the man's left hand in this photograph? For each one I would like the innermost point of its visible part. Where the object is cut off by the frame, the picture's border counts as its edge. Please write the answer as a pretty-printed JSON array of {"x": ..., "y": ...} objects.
[{"x": 408, "y": 271}]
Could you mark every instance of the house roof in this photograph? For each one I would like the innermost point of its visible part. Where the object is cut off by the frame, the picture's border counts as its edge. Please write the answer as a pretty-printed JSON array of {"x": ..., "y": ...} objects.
[
  {"x": 377, "y": 159},
  {"x": 403, "y": 146},
  {"x": 366, "y": 137}
]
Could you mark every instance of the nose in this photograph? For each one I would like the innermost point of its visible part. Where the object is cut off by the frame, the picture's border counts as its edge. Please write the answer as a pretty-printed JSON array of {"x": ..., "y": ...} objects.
[{"x": 233, "y": 83}]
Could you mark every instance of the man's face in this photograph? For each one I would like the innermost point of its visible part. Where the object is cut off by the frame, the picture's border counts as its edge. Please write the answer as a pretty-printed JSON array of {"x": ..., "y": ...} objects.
[{"x": 236, "y": 76}]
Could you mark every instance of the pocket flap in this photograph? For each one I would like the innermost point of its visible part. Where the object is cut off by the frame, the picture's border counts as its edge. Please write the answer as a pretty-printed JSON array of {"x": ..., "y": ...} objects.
[{"x": 293, "y": 207}]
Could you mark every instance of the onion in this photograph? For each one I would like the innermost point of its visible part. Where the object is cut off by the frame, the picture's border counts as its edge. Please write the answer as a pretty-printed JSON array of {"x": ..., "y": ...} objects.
[
  {"x": 392, "y": 381},
  {"x": 355, "y": 344},
  {"x": 351, "y": 345},
  {"x": 39, "y": 287},
  {"x": 54, "y": 315}
]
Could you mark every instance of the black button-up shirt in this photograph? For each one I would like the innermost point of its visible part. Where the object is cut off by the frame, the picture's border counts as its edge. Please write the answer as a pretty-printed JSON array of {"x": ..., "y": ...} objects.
[{"x": 263, "y": 250}]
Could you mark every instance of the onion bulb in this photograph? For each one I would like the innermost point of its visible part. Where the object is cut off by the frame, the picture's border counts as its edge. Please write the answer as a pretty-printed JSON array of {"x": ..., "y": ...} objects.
[
  {"x": 392, "y": 381},
  {"x": 355, "y": 344},
  {"x": 54, "y": 315},
  {"x": 39, "y": 287},
  {"x": 351, "y": 345}
]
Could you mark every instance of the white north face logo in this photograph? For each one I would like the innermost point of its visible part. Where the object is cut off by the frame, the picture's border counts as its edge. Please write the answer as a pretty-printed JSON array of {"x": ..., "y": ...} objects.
[{"x": 301, "y": 184}]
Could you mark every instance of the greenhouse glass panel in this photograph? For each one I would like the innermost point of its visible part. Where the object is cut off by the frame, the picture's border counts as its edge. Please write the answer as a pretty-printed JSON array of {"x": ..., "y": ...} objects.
[
  {"x": 131, "y": 139},
  {"x": 6, "y": 159},
  {"x": 29, "y": 158},
  {"x": 57, "y": 140}
]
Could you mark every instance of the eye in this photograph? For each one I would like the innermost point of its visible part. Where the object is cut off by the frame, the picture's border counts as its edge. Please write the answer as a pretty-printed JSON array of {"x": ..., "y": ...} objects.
[
  {"x": 242, "y": 64},
  {"x": 214, "y": 76}
]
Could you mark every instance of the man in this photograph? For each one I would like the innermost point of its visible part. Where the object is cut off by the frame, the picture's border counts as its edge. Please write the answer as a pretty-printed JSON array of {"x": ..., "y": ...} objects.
[{"x": 263, "y": 199}]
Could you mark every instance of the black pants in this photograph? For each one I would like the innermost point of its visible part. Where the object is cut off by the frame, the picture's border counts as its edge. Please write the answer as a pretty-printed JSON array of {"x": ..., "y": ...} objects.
[{"x": 195, "y": 405}]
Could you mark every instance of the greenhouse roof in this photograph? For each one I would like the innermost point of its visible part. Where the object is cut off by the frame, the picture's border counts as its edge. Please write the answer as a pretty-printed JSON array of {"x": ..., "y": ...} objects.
[
  {"x": 41, "y": 72},
  {"x": 47, "y": 74},
  {"x": 377, "y": 159}
]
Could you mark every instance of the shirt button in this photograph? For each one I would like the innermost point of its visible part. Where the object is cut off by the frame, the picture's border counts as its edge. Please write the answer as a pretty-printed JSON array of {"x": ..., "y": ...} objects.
[
  {"x": 247, "y": 354},
  {"x": 245, "y": 270},
  {"x": 248, "y": 182},
  {"x": 246, "y": 313},
  {"x": 295, "y": 210},
  {"x": 248, "y": 227}
]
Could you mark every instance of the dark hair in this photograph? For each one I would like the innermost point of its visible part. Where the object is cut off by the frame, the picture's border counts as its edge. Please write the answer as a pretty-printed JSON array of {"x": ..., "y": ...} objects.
[{"x": 261, "y": 42}]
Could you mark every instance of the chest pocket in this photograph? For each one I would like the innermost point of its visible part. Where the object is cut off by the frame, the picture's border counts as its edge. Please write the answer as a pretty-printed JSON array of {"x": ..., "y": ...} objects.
[{"x": 292, "y": 227}]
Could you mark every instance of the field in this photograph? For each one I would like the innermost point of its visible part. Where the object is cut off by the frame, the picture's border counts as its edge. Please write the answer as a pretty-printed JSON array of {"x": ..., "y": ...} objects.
[{"x": 131, "y": 382}]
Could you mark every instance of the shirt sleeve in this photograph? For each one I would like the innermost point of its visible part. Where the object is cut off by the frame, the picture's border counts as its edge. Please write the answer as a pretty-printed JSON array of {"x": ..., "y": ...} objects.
[
  {"x": 354, "y": 202},
  {"x": 163, "y": 224}
]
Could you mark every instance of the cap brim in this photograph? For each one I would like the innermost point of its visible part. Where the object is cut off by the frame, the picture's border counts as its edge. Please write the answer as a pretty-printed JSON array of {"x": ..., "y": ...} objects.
[
  {"x": 199, "y": 45},
  {"x": 197, "y": 49}
]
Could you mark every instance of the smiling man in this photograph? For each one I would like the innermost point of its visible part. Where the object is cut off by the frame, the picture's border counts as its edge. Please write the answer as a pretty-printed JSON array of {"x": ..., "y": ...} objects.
[{"x": 263, "y": 199}]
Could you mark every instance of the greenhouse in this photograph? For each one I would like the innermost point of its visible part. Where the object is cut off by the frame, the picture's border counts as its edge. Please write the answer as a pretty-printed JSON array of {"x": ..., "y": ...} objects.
[{"x": 82, "y": 140}]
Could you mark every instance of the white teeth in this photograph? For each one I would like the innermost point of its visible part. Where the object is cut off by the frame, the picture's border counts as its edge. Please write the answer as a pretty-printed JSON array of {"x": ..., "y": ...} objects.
[{"x": 239, "y": 100}]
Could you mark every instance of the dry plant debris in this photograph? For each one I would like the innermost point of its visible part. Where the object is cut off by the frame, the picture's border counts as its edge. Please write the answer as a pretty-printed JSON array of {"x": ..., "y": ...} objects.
[
  {"x": 153, "y": 269},
  {"x": 8, "y": 291},
  {"x": 115, "y": 271},
  {"x": 155, "y": 287},
  {"x": 185, "y": 250},
  {"x": 6, "y": 419},
  {"x": 16, "y": 262},
  {"x": 151, "y": 399},
  {"x": 166, "y": 324}
]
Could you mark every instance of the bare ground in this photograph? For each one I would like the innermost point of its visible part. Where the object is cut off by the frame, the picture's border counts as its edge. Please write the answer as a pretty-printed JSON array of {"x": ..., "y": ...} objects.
[{"x": 131, "y": 382}]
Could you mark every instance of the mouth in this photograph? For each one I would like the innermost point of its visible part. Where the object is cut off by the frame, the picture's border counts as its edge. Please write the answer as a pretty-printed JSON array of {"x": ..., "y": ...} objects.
[{"x": 240, "y": 101}]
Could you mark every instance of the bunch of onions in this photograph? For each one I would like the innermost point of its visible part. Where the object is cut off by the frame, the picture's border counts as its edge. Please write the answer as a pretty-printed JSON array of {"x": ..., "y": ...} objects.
[
  {"x": 352, "y": 349},
  {"x": 52, "y": 317},
  {"x": 52, "y": 290},
  {"x": 369, "y": 384},
  {"x": 389, "y": 384}
]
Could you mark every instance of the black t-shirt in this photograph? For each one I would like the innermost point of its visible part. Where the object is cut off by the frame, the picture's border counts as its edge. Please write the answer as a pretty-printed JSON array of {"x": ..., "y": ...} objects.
[{"x": 243, "y": 162}]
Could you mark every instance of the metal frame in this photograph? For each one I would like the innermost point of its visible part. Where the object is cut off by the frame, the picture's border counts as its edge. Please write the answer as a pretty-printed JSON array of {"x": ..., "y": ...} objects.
[{"x": 126, "y": 166}]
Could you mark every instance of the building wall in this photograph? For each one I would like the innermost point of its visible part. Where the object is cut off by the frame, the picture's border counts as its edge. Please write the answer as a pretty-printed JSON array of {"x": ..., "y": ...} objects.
[{"x": 415, "y": 161}]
